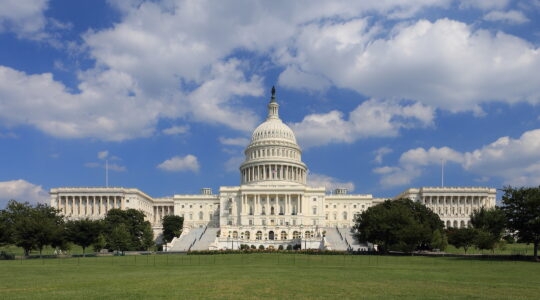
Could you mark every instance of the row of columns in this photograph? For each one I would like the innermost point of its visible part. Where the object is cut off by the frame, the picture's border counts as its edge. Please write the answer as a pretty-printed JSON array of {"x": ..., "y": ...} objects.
[
  {"x": 441, "y": 200},
  {"x": 292, "y": 204},
  {"x": 89, "y": 205},
  {"x": 273, "y": 172},
  {"x": 162, "y": 210}
]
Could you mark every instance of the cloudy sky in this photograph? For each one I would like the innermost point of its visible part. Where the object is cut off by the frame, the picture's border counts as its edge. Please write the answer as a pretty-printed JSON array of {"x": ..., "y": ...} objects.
[{"x": 382, "y": 95}]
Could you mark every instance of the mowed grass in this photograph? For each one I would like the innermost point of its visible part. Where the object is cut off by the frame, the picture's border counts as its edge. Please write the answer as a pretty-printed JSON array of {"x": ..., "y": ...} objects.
[{"x": 268, "y": 276}]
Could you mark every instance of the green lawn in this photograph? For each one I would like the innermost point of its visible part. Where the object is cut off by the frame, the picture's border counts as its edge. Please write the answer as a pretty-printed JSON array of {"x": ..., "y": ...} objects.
[{"x": 270, "y": 276}]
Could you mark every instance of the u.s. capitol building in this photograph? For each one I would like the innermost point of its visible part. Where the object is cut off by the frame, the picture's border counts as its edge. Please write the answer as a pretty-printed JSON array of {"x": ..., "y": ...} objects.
[{"x": 273, "y": 205}]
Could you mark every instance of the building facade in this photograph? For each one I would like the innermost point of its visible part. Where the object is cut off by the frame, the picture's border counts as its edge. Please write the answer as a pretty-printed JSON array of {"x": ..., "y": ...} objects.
[{"x": 273, "y": 205}]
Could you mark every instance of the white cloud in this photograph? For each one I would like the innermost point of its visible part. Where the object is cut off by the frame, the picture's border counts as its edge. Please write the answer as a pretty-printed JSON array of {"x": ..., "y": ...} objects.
[
  {"x": 174, "y": 60},
  {"x": 179, "y": 164},
  {"x": 242, "y": 142},
  {"x": 330, "y": 183},
  {"x": 103, "y": 154},
  {"x": 512, "y": 17},
  {"x": 22, "y": 191},
  {"x": 372, "y": 118},
  {"x": 483, "y": 4},
  {"x": 514, "y": 161},
  {"x": 24, "y": 18},
  {"x": 174, "y": 130},
  {"x": 443, "y": 64},
  {"x": 380, "y": 153}
]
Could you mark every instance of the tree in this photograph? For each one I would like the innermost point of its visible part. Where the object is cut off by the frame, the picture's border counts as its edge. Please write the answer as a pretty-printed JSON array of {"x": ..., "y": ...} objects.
[
  {"x": 401, "y": 225},
  {"x": 5, "y": 229},
  {"x": 32, "y": 227},
  {"x": 83, "y": 232},
  {"x": 490, "y": 224},
  {"x": 119, "y": 238},
  {"x": 49, "y": 226},
  {"x": 172, "y": 227},
  {"x": 522, "y": 209},
  {"x": 462, "y": 237},
  {"x": 139, "y": 231}
]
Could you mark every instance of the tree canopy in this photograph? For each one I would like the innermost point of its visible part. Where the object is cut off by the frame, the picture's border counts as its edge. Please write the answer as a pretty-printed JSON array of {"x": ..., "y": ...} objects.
[
  {"x": 522, "y": 209},
  {"x": 172, "y": 227},
  {"x": 83, "y": 232},
  {"x": 401, "y": 225},
  {"x": 131, "y": 220}
]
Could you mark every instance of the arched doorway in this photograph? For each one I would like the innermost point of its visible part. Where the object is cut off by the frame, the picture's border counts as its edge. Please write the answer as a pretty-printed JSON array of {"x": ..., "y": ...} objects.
[{"x": 271, "y": 235}]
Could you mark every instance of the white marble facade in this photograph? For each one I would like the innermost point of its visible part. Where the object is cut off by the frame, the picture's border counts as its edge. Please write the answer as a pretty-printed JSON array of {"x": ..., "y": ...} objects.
[{"x": 273, "y": 202}]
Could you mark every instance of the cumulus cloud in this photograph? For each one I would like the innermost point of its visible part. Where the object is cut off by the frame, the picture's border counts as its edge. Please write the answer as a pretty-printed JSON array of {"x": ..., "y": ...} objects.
[
  {"x": 515, "y": 161},
  {"x": 22, "y": 191},
  {"x": 180, "y": 164},
  {"x": 175, "y": 60},
  {"x": 444, "y": 64},
  {"x": 175, "y": 130},
  {"x": 372, "y": 118},
  {"x": 241, "y": 142},
  {"x": 380, "y": 153},
  {"x": 330, "y": 183},
  {"x": 24, "y": 18},
  {"x": 512, "y": 17}
]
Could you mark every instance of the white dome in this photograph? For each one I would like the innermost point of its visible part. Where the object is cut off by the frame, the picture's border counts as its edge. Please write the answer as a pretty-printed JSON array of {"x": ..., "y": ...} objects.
[
  {"x": 273, "y": 129},
  {"x": 273, "y": 155}
]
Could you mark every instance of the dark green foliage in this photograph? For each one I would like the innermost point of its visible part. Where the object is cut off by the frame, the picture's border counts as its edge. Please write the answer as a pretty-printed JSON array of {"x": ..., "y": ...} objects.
[
  {"x": 462, "y": 237},
  {"x": 490, "y": 224},
  {"x": 32, "y": 227},
  {"x": 401, "y": 225},
  {"x": 132, "y": 221},
  {"x": 172, "y": 227},
  {"x": 522, "y": 209},
  {"x": 83, "y": 232}
]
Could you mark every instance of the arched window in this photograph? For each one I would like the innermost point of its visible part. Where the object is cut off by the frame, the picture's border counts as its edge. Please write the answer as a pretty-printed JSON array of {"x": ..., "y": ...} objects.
[
  {"x": 307, "y": 234},
  {"x": 455, "y": 224},
  {"x": 344, "y": 215},
  {"x": 462, "y": 224},
  {"x": 283, "y": 235},
  {"x": 200, "y": 215},
  {"x": 271, "y": 235},
  {"x": 448, "y": 224},
  {"x": 296, "y": 235},
  {"x": 235, "y": 234},
  {"x": 246, "y": 235},
  {"x": 258, "y": 235},
  {"x": 271, "y": 210},
  {"x": 314, "y": 210}
]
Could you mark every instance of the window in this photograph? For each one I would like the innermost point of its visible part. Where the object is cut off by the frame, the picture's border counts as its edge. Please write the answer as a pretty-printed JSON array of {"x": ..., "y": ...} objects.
[
  {"x": 200, "y": 215},
  {"x": 258, "y": 235},
  {"x": 314, "y": 210},
  {"x": 314, "y": 199},
  {"x": 344, "y": 215}
]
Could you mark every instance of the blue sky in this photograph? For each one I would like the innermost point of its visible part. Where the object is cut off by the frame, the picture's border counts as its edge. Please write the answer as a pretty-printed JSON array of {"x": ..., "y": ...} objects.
[{"x": 379, "y": 93}]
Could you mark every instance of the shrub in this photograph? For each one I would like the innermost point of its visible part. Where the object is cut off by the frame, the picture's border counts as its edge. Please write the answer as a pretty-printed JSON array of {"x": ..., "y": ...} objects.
[
  {"x": 289, "y": 247},
  {"x": 261, "y": 247},
  {"x": 6, "y": 256},
  {"x": 280, "y": 247},
  {"x": 253, "y": 247}
]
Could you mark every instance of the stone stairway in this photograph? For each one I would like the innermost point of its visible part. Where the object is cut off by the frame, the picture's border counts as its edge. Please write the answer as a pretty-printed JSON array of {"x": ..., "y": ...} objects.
[
  {"x": 205, "y": 239},
  {"x": 186, "y": 240},
  {"x": 334, "y": 240}
]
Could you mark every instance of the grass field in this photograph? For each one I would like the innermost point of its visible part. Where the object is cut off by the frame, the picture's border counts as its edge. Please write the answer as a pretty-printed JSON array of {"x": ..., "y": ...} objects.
[{"x": 268, "y": 276}]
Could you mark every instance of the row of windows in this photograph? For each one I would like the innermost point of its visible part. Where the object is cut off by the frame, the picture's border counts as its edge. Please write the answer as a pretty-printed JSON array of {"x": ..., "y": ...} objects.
[
  {"x": 271, "y": 235},
  {"x": 281, "y": 152}
]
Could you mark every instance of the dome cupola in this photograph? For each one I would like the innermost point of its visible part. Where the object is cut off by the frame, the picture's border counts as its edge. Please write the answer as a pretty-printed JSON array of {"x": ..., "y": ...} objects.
[{"x": 273, "y": 153}]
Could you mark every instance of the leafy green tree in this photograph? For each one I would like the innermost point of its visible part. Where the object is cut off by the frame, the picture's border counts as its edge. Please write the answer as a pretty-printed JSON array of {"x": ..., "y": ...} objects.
[
  {"x": 48, "y": 226},
  {"x": 83, "y": 232},
  {"x": 522, "y": 209},
  {"x": 139, "y": 230},
  {"x": 32, "y": 227},
  {"x": 172, "y": 227},
  {"x": 5, "y": 229},
  {"x": 119, "y": 238},
  {"x": 462, "y": 237},
  {"x": 401, "y": 225},
  {"x": 490, "y": 224}
]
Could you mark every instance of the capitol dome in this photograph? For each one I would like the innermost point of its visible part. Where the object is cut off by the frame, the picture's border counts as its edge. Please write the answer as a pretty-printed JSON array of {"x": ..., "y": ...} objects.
[{"x": 273, "y": 153}]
